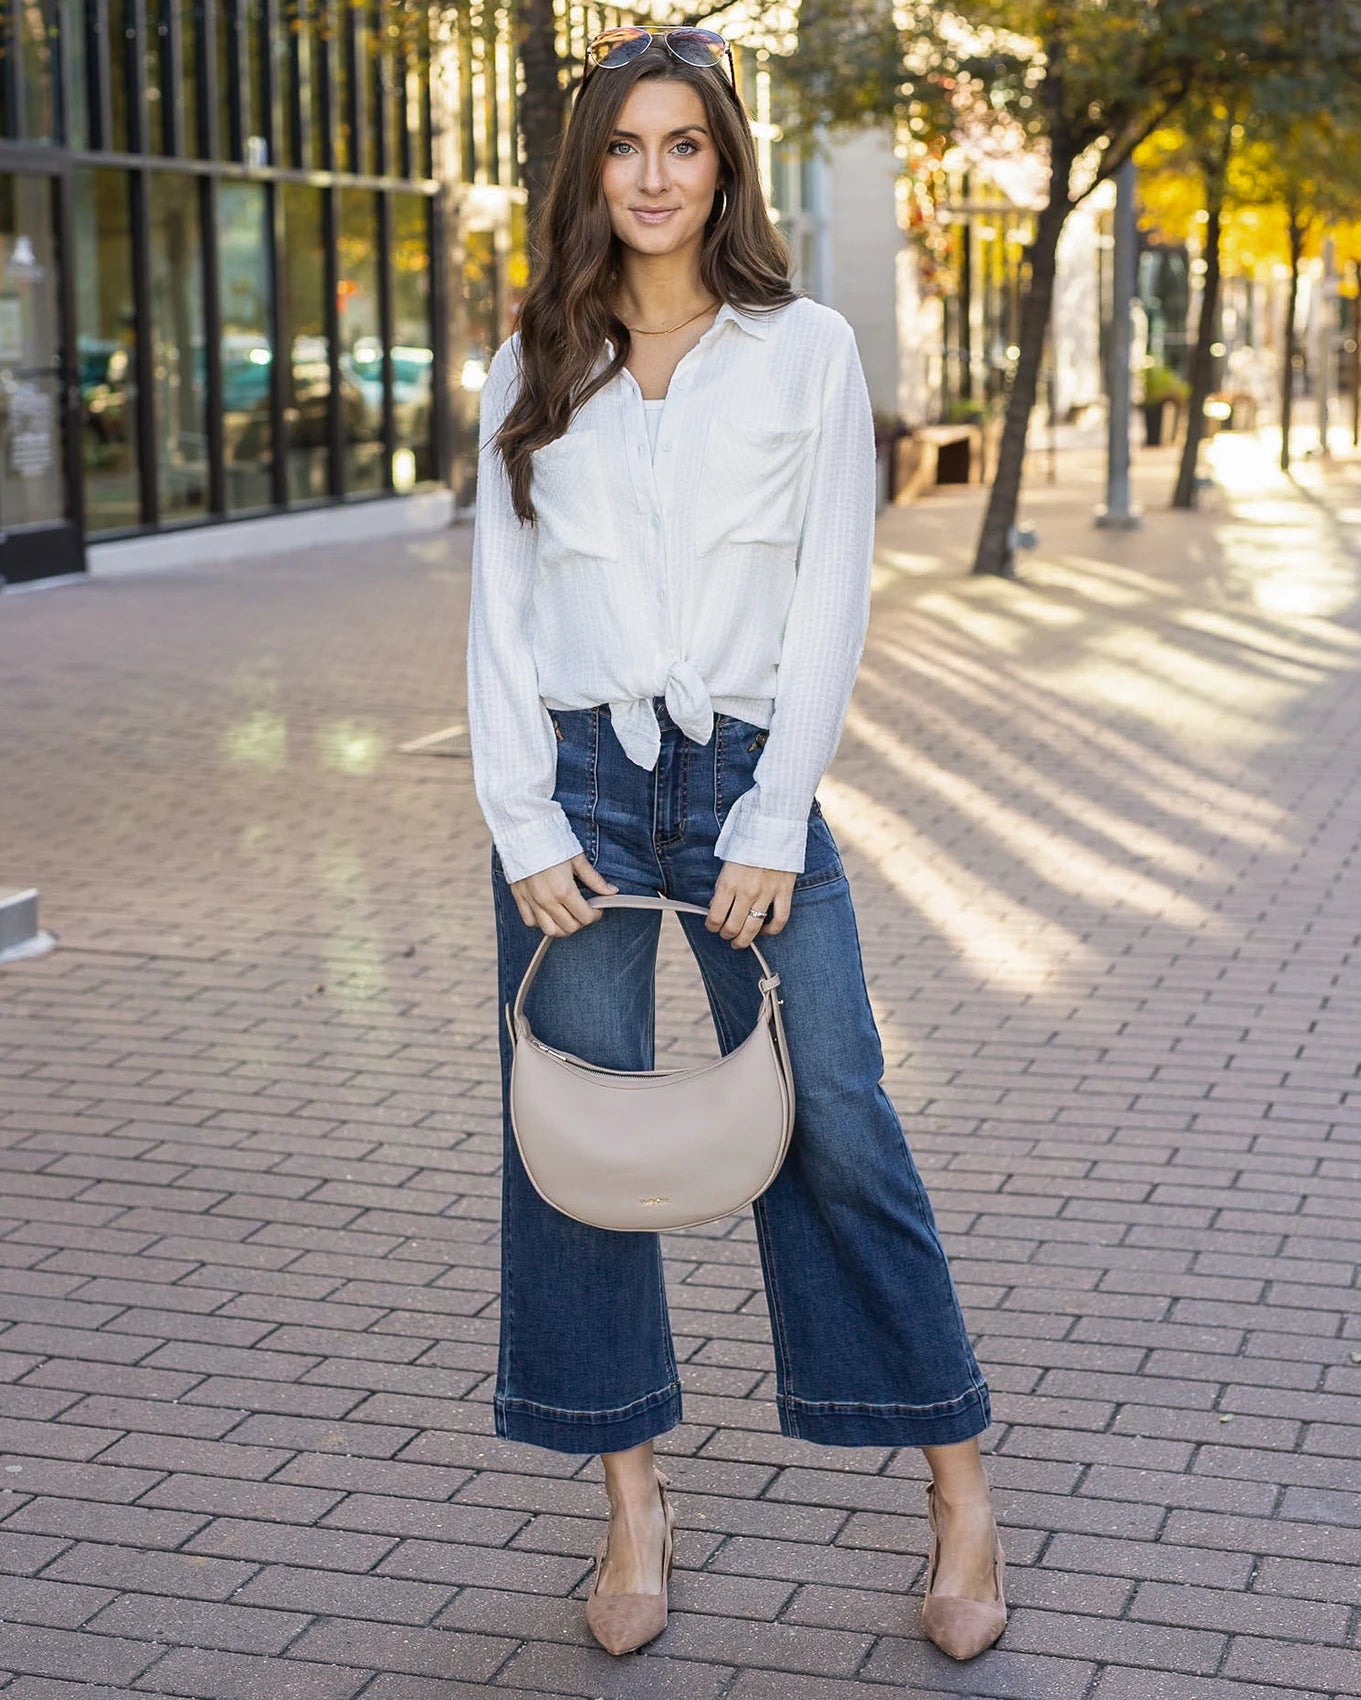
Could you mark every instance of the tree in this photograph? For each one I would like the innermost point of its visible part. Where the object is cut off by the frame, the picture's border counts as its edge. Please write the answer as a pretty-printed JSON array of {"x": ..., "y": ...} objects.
[
  {"x": 1284, "y": 143},
  {"x": 543, "y": 102},
  {"x": 1192, "y": 164},
  {"x": 1083, "y": 84},
  {"x": 1306, "y": 166}
]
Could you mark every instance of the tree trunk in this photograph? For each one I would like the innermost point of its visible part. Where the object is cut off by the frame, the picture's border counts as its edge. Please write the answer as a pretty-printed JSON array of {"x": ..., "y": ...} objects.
[
  {"x": 1207, "y": 330},
  {"x": 1291, "y": 339},
  {"x": 995, "y": 550},
  {"x": 543, "y": 103}
]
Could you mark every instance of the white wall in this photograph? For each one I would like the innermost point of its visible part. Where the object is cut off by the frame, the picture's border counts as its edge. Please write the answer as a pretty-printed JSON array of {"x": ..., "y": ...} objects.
[
  {"x": 861, "y": 244},
  {"x": 1077, "y": 312},
  {"x": 921, "y": 337}
]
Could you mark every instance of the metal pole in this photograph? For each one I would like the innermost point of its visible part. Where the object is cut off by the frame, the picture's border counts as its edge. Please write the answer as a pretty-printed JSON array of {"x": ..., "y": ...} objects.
[
  {"x": 1052, "y": 402},
  {"x": 1324, "y": 354},
  {"x": 1356, "y": 355},
  {"x": 1118, "y": 513}
]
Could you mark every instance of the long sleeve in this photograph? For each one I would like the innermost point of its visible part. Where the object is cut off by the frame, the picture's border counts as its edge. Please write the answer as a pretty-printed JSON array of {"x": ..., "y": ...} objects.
[
  {"x": 514, "y": 747},
  {"x": 824, "y": 634}
]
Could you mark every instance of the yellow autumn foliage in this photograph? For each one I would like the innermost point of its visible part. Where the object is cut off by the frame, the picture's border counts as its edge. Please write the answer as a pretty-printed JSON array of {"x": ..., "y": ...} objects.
[{"x": 1255, "y": 235}]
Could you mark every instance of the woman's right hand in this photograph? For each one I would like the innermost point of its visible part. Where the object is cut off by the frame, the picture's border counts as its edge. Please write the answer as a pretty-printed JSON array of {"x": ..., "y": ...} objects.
[{"x": 552, "y": 901}]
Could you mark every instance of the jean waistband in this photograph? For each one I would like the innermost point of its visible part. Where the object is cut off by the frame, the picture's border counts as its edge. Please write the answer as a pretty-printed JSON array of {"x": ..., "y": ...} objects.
[{"x": 758, "y": 712}]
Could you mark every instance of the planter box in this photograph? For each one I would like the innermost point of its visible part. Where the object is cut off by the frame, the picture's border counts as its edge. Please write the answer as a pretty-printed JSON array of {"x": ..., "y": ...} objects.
[
  {"x": 1162, "y": 422},
  {"x": 938, "y": 454}
]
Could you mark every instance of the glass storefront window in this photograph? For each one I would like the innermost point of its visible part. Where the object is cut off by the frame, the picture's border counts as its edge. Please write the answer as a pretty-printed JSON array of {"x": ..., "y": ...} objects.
[
  {"x": 190, "y": 19},
  {"x": 396, "y": 147},
  {"x": 413, "y": 358},
  {"x": 247, "y": 344},
  {"x": 342, "y": 59},
  {"x": 155, "y": 71},
  {"x": 480, "y": 321},
  {"x": 32, "y": 487},
  {"x": 302, "y": 331},
  {"x": 177, "y": 345},
  {"x": 490, "y": 100},
  {"x": 106, "y": 349},
  {"x": 325, "y": 346},
  {"x": 467, "y": 99},
  {"x": 410, "y": 112},
  {"x": 74, "y": 61},
  {"x": 361, "y": 344},
  {"x": 37, "y": 69},
  {"x": 517, "y": 262},
  {"x": 119, "y": 13},
  {"x": 422, "y": 54},
  {"x": 481, "y": 287},
  {"x": 289, "y": 68},
  {"x": 320, "y": 49},
  {"x": 226, "y": 79},
  {"x": 365, "y": 115},
  {"x": 254, "y": 119}
]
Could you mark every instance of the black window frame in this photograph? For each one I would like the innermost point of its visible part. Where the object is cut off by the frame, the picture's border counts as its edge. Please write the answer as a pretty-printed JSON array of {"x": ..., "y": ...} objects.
[{"x": 199, "y": 132}]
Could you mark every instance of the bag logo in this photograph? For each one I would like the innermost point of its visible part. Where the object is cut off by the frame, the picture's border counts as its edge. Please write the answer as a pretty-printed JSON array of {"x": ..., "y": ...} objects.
[{"x": 654, "y": 1201}]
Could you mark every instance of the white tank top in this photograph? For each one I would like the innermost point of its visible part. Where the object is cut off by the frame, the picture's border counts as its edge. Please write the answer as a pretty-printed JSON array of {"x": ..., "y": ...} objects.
[{"x": 653, "y": 410}]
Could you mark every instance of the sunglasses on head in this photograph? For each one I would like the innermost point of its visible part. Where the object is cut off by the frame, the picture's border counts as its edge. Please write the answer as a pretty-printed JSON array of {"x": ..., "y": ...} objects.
[{"x": 613, "y": 48}]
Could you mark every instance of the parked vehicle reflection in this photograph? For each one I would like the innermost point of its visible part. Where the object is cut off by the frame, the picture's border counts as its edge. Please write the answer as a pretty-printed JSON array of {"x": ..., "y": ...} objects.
[
  {"x": 412, "y": 387},
  {"x": 104, "y": 373}
]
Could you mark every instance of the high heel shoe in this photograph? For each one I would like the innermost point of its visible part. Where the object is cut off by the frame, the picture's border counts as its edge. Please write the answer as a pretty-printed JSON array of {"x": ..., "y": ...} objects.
[
  {"x": 621, "y": 1623},
  {"x": 962, "y": 1629}
]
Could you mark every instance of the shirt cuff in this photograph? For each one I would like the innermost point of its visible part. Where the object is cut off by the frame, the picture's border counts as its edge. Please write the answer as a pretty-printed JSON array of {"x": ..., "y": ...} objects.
[
  {"x": 540, "y": 844},
  {"x": 759, "y": 840}
]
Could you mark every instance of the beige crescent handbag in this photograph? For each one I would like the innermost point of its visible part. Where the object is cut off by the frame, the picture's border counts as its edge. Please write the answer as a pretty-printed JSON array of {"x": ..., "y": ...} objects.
[{"x": 655, "y": 1148}]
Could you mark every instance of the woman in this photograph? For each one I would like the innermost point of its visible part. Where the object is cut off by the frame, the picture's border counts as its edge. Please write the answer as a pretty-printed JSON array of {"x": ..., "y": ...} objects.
[{"x": 670, "y": 594}]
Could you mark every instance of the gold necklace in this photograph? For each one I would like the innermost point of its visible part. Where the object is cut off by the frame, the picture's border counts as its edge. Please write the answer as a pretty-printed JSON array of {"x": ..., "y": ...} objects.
[{"x": 637, "y": 330}]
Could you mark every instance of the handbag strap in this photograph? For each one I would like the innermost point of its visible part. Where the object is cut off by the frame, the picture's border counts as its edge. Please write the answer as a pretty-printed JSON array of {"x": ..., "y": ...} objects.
[{"x": 624, "y": 900}]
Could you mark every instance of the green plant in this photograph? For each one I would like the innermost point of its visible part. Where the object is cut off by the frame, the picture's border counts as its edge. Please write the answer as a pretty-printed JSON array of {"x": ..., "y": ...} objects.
[
  {"x": 1162, "y": 384},
  {"x": 960, "y": 412}
]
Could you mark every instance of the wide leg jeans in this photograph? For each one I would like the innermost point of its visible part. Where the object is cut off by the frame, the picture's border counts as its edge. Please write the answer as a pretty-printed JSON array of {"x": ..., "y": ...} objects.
[{"x": 870, "y": 1343}]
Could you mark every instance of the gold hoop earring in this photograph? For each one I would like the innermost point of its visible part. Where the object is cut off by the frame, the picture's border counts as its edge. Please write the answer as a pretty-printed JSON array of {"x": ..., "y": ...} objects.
[{"x": 723, "y": 210}]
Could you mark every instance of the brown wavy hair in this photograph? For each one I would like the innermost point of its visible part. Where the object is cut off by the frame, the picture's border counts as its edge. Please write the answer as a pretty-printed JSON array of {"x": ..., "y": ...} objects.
[{"x": 568, "y": 312}]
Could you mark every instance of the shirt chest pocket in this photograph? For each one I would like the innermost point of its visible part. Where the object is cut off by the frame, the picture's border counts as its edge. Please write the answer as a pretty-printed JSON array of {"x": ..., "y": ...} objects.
[
  {"x": 754, "y": 484},
  {"x": 571, "y": 498}
]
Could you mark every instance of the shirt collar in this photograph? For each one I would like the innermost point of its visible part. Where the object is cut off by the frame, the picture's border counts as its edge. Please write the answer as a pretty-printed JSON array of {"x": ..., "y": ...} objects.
[{"x": 755, "y": 324}]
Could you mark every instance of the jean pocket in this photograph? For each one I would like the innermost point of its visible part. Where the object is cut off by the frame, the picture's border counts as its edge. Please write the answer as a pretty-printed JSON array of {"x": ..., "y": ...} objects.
[
  {"x": 576, "y": 787},
  {"x": 737, "y": 749},
  {"x": 822, "y": 858},
  {"x": 742, "y": 733}
]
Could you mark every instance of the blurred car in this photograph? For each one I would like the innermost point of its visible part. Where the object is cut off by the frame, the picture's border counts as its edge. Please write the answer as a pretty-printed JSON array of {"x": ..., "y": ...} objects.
[
  {"x": 105, "y": 378},
  {"x": 413, "y": 371}
]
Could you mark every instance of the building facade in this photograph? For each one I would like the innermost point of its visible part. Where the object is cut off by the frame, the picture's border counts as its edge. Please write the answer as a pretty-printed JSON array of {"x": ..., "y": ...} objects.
[
  {"x": 256, "y": 255},
  {"x": 252, "y": 252}
]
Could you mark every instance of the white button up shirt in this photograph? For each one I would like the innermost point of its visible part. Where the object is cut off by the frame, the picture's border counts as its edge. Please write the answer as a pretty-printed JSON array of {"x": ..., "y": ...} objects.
[{"x": 727, "y": 572}]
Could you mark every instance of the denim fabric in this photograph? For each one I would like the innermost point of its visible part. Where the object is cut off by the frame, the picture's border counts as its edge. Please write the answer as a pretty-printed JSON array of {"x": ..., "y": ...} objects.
[{"x": 870, "y": 1345}]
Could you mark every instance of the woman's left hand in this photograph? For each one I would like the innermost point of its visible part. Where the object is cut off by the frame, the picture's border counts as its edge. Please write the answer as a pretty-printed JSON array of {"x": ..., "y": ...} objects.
[{"x": 739, "y": 890}]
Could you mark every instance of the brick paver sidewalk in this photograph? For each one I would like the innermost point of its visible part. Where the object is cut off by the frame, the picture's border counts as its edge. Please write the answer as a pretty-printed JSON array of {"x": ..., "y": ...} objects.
[{"x": 1103, "y": 828}]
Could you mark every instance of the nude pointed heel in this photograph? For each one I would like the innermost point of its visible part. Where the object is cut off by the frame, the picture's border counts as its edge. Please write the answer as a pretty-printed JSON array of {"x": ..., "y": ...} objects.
[
  {"x": 622, "y": 1623},
  {"x": 962, "y": 1629}
]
